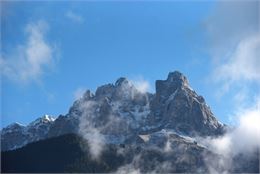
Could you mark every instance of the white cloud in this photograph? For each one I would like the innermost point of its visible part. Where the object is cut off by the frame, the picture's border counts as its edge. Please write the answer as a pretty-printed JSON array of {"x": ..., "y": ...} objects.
[
  {"x": 228, "y": 24},
  {"x": 243, "y": 63},
  {"x": 167, "y": 147},
  {"x": 234, "y": 45},
  {"x": 97, "y": 122},
  {"x": 233, "y": 33},
  {"x": 29, "y": 61},
  {"x": 88, "y": 130},
  {"x": 131, "y": 168},
  {"x": 74, "y": 17},
  {"x": 95, "y": 141},
  {"x": 128, "y": 169},
  {"x": 78, "y": 93},
  {"x": 243, "y": 139},
  {"x": 141, "y": 85}
]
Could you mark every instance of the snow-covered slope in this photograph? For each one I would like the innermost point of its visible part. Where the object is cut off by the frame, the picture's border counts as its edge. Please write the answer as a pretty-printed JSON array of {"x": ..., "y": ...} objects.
[{"x": 17, "y": 135}]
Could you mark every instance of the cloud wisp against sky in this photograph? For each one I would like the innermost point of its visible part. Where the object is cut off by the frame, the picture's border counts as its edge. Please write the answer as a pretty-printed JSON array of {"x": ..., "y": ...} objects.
[
  {"x": 229, "y": 23},
  {"x": 88, "y": 130},
  {"x": 244, "y": 139},
  {"x": 103, "y": 41},
  {"x": 234, "y": 37},
  {"x": 78, "y": 93},
  {"x": 244, "y": 62},
  {"x": 30, "y": 60},
  {"x": 141, "y": 85},
  {"x": 100, "y": 42},
  {"x": 74, "y": 17},
  {"x": 233, "y": 31}
]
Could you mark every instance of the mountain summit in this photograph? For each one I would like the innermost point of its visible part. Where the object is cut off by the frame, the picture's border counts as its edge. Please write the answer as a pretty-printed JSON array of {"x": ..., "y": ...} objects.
[
  {"x": 17, "y": 135},
  {"x": 120, "y": 113},
  {"x": 176, "y": 105},
  {"x": 120, "y": 129}
]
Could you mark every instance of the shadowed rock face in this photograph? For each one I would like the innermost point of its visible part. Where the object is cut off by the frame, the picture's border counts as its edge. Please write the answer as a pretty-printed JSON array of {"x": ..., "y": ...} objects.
[
  {"x": 11, "y": 139},
  {"x": 150, "y": 133},
  {"x": 150, "y": 160},
  {"x": 63, "y": 125},
  {"x": 122, "y": 111},
  {"x": 180, "y": 156},
  {"x": 179, "y": 107},
  {"x": 17, "y": 135},
  {"x": 175, "y": 80}
]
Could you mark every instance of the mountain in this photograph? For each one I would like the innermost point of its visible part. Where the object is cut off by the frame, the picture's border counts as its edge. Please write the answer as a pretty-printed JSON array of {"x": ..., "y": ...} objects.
[
  {"x": 177, "y": 106},
  {"x": 122, "y": 129},
  {"x": 120, "y": 111},
  {"x": 72, "y": 153},
  {"x": 65, "y": 154},
  {"x": 17, "y": 135}
]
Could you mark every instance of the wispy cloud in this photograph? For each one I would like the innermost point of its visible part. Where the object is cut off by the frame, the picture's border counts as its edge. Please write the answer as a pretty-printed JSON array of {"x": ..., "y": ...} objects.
[
  {"x": 74, "y": 17},
  {"x": 233, "y": 30},
  {"x": 78, "y": 93},
  {"x": 243, "y": 63},
  {"x": 141, "y": 85},
  {"x": 88, "y": 129},
  {"x": 29, "y": 61},
  {"x": 101, "y": 119},
  {"x": 234, "y": 37},
  {"x": 230, "y": 23},
  {"x": 244, "y": 139}
]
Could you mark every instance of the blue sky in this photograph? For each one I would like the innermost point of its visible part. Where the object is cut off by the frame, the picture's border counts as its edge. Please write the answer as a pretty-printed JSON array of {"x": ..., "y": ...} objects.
[{"x": 51, "y": 50}]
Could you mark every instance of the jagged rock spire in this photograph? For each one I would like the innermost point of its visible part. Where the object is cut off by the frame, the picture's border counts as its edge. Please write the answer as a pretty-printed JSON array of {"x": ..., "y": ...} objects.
[{"x": 177, "y": 78}]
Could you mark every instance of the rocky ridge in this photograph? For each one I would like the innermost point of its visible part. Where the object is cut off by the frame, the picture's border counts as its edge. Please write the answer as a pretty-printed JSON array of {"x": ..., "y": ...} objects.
[{"x": 122, "y": 113}]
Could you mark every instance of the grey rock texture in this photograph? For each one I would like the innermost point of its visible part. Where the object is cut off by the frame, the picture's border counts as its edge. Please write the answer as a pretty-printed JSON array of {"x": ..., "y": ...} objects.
[
  {"x": 121, "y": 112},
  {"x": 17, "y": 135},
  {"x": 177, "y": 106},
  {"x": 63, "y": 125}
]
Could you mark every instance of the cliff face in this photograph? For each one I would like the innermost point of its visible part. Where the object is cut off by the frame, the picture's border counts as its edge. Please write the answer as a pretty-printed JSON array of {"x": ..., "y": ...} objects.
[
  {"x": 128, "y": 131},
  {"x": 177, "y": 106},
  {"x": 120, "y": 112}
]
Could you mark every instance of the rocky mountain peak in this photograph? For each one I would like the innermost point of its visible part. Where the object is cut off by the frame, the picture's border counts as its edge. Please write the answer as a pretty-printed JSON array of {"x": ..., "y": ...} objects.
[
  {"x": 177, "y": 78},
  {"x": 122, "y": 81},
  {"x": 13, "y": 127},
  {"x": 17, "y": 135},
  {"x": 122, "y": 89},
  {"x": 119, "y": 109},
  {"x": 47, "y": 118},
  {"x": 87, "y": 95},
  {"x": 178, "y": 107},
  {"x": 44, "y": 119}
]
